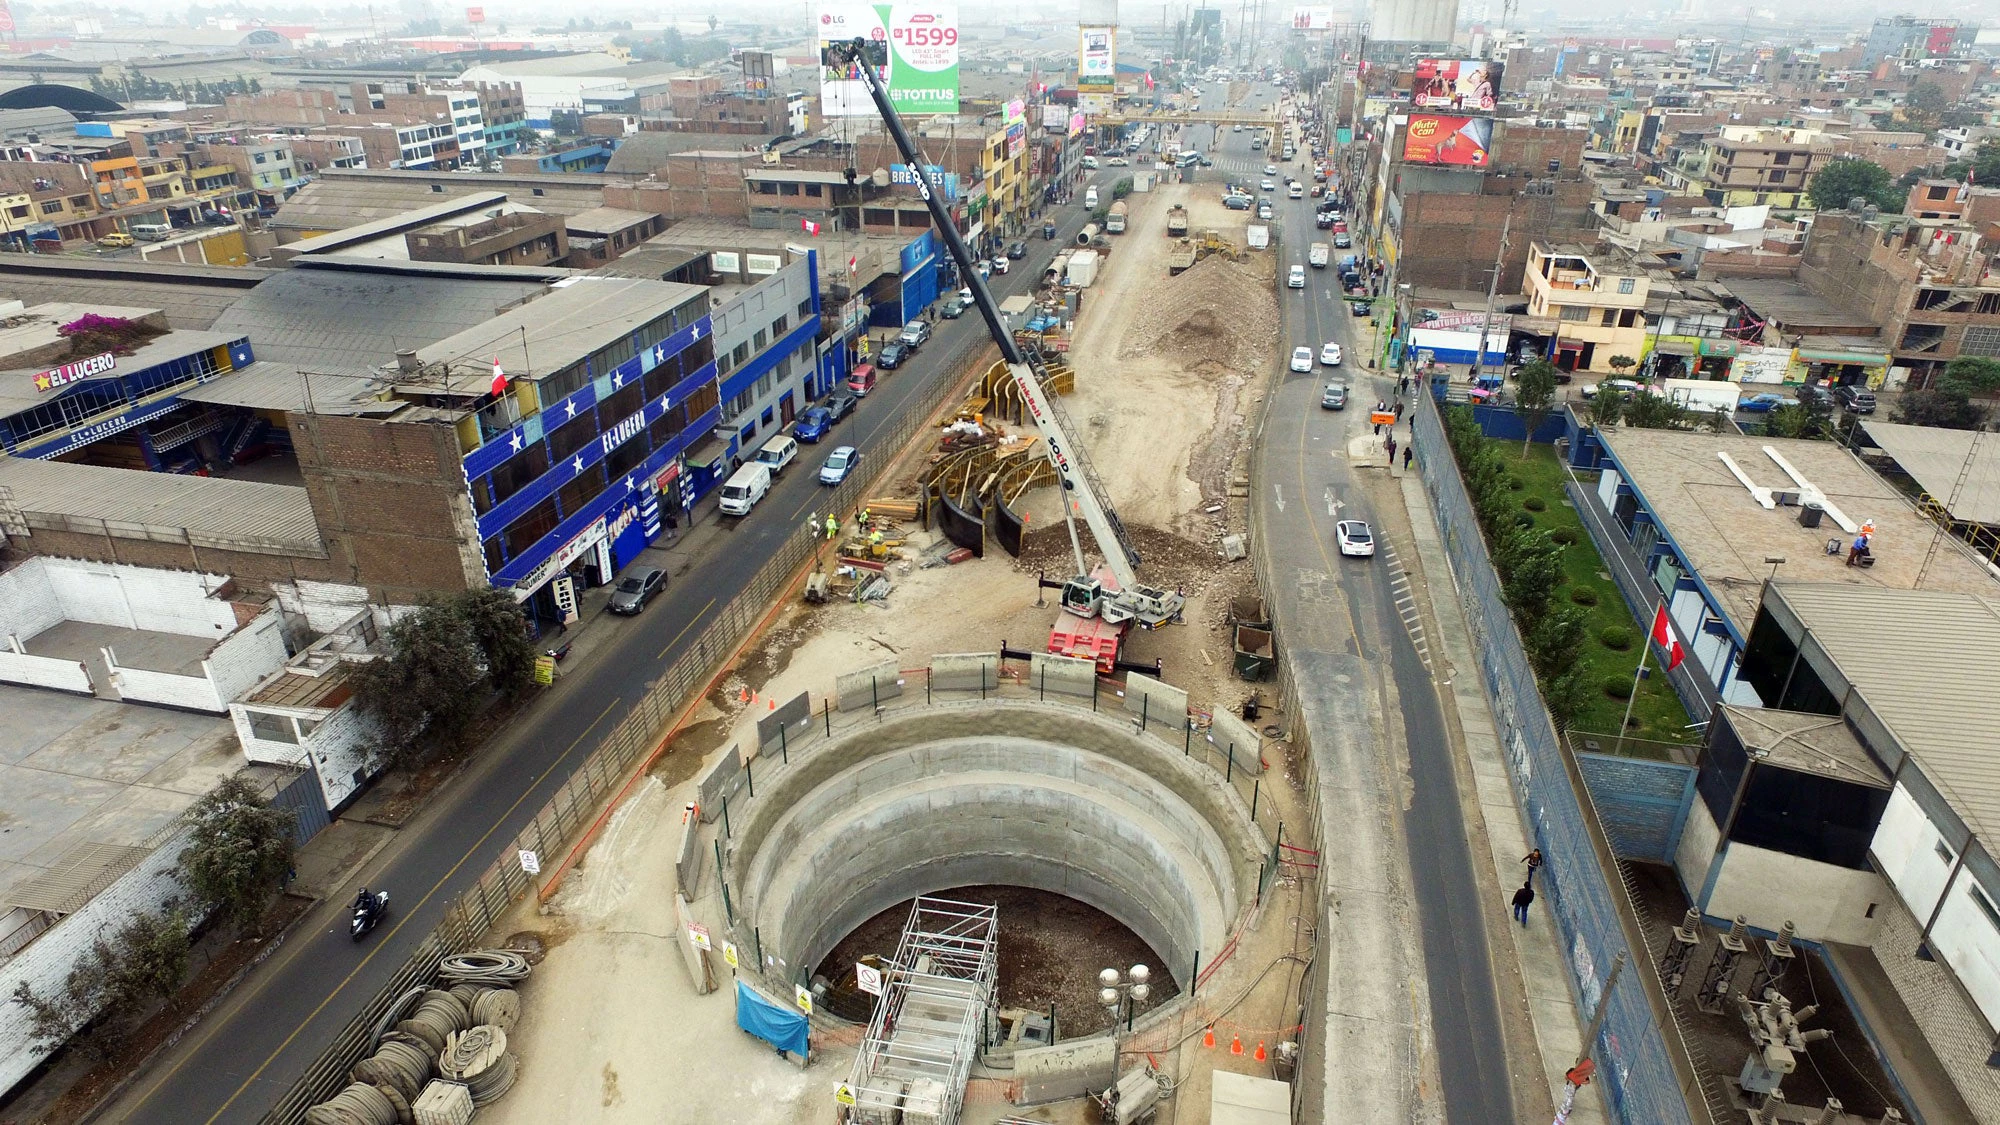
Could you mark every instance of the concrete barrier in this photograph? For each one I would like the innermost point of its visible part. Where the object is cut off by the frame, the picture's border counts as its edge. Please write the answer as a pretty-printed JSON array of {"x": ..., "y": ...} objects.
[
  {"x": 693, "y": 957},
  {"x": 1227, "y": 731},
  {"x": 1065, "y": 1070},
  {"x": 1157, "y": 702},
  {"x": 783, "y": 724},
  {"x": 688, "y": 859},
  {"x": 968, "y": 671},
  {"x": 720, "y": 783},
  {"x": 869, "y": 686},
  {"x": 1065, "y": 675}
]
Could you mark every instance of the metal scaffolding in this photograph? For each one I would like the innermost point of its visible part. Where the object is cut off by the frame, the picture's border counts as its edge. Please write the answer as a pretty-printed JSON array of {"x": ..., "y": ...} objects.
[{"x": 931, "y": 1018}]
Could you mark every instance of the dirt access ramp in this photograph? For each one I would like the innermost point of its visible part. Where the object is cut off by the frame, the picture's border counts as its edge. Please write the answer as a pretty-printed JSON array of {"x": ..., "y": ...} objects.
[{"x": 1169, "y": 368}]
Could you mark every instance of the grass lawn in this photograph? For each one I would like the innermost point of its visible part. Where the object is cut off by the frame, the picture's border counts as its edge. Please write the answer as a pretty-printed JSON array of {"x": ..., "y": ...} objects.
[{"x": 1657, "y": 713}]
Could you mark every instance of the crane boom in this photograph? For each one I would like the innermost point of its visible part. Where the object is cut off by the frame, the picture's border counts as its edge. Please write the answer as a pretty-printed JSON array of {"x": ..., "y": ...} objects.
[{"x": 1083, "y": 493}]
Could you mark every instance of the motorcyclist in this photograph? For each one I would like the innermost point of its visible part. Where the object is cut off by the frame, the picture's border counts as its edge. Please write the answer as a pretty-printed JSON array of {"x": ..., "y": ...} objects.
[{"x": 364, "y": 902}]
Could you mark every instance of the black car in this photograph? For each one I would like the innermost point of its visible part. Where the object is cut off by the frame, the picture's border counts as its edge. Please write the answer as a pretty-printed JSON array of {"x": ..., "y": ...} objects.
[
  {"x": 636, "y": 589},
  {"x": 892, "y": 356},
  {"x": 952, "y": 309},
  {"x": 841, "y": 403},
  {"x": 1854, "y": 400},
  {"x": 1017, "y": 250}
]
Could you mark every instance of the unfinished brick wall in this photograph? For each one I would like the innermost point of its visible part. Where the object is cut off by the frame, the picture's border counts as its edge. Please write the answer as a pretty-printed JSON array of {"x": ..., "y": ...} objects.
[{"x": 390, "y": 500}]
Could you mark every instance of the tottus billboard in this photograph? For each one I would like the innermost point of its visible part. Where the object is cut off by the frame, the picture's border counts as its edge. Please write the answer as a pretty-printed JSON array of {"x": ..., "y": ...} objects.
[{"x": 912, "y": 46}]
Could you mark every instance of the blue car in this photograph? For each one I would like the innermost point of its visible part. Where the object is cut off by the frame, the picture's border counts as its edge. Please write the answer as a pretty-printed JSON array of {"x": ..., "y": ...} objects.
[
  {"x": 1765, "y": 403},
  {"x": 813, "y": 424},
  {"x": 839, "y": 464}
]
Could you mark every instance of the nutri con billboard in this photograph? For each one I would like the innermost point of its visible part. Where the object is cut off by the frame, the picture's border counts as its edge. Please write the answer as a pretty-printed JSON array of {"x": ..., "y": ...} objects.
[
  {"x": 1456, "y": 84},
  {"x": 1436, "y": 138},
  {"x": 912, "y": 46}
]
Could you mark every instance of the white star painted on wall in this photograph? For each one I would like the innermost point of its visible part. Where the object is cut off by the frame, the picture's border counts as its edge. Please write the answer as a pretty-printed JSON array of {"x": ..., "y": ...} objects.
[
  {"x": 631, "y": 485},
  {"x": 617, "y": 380},
  {"x": 570, "y": 407},
  {"x": 515, "y": 441},
  {"x": 578, "y": 463},
  {"x": 697, "y": 332}
]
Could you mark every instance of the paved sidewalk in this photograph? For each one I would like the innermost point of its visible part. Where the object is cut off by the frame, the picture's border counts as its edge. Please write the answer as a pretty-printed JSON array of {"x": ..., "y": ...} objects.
[{"x": 1538, "y": 955}]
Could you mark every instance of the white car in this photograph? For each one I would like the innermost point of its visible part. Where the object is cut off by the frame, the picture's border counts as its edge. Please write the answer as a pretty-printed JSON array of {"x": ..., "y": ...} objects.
[
  {"x": 1268, "y": 186},
  {"x": 1297, "y": 280},
  {"x": 1118, "y": 162},
  {"x": 1330, "y": 354},
  {"x": 1270, "y": 169},
  {"x": 1000, "y": 263},
  {"x": 1302, "y": 359},
  {"x": 1296, "y": 192},
  {"x": 1625, "y": 385},
  {"x": 1236, "y": 128},
  {"x": 1354, "y": 539}
]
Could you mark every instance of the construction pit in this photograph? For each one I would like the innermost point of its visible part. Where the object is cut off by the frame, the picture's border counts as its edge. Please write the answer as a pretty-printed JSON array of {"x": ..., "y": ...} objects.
[{"x": 863, "y": 753}]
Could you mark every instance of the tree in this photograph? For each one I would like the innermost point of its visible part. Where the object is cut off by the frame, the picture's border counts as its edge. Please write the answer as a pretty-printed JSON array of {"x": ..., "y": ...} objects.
[
  {"x": 1534, "y": 397},
  {"x": 1621, "y": 364},
  {"x": 147, "y": 958},
  {"x": 1925, "y": 105},
  {"x": 115, "y": 980},
  {"x": 442, "y": 662},
  {"x": 713, "y": 23},
  {"x": 1938, "y": 408},
  {"x": 1556, "y": 642},
  {"x": 239, "y": 850},
  {"x": 1647, "y": 411},
  {"x": 1970, "y": 375},
  {"x": 1847, "y": 179},
  {"x": 1607, "y": 409},
  {"x": 1530, "y": 566}
]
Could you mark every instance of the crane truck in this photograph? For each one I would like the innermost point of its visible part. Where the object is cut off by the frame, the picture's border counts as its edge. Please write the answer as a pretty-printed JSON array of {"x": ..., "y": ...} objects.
[{"x": 1111, "y": 597}]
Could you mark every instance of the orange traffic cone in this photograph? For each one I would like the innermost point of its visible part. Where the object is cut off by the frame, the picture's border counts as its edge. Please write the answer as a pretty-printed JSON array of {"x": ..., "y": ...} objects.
[
  {"x": 1260, "y": 1051},
  {"x": 1235, "y": 1045},
  {"x": 773, "y": 701},
  {"x": 1208, "y": 1037}
]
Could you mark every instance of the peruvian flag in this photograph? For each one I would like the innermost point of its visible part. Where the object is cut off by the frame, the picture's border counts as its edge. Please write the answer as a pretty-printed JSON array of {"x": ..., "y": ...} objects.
[
  {"x": 499, "y": 386},
  {"x": 852, "y": 263},
  {"x": 1663, "y": 635},
  {"x": 809, "y": 226}
]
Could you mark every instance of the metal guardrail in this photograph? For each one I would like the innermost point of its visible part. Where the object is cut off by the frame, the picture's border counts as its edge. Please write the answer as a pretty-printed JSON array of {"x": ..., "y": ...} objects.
[{"x": 575, "y": 804}]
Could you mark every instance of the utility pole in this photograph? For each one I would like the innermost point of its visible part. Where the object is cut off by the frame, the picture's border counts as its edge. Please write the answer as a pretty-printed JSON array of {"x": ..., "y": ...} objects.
[
  {"x": 1580, "y": 1074},
  {"x": 1492, "y": 290}
]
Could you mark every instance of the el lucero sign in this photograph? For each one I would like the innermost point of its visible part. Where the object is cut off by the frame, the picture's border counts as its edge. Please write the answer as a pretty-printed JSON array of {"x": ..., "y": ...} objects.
[{"x": 72, "y": 372}]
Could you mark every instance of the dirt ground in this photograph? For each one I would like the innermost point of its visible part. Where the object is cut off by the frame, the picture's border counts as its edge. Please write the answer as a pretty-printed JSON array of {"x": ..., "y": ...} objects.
[{"x": 1170, "y": 372}]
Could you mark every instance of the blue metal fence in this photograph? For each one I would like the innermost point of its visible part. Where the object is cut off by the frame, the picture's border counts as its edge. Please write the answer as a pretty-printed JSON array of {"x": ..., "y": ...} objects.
[{"x": 1642, "y": 1085}]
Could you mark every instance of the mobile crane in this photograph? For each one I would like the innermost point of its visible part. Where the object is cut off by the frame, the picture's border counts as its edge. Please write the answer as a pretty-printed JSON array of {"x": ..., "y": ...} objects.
[{"x": 1123, "y": 598}]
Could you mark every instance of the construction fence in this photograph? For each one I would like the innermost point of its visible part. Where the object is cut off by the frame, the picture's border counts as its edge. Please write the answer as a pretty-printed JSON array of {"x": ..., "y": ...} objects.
[
  {"x": 577, "y": 804},
  {"x": 1647, "y": 1080}
]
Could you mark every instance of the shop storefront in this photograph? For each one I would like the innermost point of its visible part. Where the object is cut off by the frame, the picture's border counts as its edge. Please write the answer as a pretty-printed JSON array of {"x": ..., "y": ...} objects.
[{"x": 1839, "y": 368}]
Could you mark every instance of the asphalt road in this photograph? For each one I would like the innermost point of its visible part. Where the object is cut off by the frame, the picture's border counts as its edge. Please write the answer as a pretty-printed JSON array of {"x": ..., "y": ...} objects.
[
  {"x": 1354, "y": 633},
  {"x": 251, "y": 1049}
]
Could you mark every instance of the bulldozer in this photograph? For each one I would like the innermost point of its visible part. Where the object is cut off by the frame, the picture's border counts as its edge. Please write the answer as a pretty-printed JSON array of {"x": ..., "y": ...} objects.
[{"x": 1187, "y": 251}]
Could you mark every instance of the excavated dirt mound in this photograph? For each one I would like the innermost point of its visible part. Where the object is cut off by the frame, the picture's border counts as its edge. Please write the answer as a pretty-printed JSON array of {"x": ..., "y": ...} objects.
[
  {"x": 1203, "y": 319},
  {"x": 1170, "y": 561}
]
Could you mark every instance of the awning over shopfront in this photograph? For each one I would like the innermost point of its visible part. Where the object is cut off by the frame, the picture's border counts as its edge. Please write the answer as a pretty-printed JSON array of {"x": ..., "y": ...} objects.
[
  {"x": 1665, "y": 346},
  {"x": 708, "y": 454},
  {"x": 1864, "y": 359}
]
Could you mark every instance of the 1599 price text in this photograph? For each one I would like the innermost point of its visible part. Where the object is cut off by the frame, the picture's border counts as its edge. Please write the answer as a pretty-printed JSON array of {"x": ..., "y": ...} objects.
[{"x": 928, "y": 36}]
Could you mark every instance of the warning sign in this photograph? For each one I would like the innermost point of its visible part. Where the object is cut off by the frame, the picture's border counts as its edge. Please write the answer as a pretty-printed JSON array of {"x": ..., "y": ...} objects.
[
  {"x": 545, "y": 670},
  {"x": 843, "y": 1094},
  {"x": 729, "y": 953},
  {"x": 803, "y": 999},
  {"x": 868, "y": 978},
  {"x": 1382, "y": 417},
  {"x": 530, "y": 862},
  {"x": 698, "y": 934}
]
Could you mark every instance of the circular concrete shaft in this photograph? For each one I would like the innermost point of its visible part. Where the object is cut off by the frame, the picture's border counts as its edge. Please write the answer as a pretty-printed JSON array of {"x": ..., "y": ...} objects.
[{"x": 1020, "y": 793}]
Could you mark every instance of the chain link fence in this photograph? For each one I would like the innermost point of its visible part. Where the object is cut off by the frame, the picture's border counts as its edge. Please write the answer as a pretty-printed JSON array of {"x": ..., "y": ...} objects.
[
  {"x": 577, "y": 803},
  {"x": 1643, "y": 1083}
]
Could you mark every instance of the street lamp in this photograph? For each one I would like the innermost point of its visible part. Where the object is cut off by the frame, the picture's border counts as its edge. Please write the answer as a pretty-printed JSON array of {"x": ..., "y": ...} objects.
[{"x": 1125, "y": 990}]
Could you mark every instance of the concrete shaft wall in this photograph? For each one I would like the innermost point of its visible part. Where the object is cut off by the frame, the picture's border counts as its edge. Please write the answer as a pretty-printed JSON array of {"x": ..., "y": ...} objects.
[{"x": 1021, "y": 794}]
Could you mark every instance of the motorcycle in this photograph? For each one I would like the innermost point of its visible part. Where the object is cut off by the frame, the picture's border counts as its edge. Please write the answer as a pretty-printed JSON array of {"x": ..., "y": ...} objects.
[{"x": 368, "y": 914}]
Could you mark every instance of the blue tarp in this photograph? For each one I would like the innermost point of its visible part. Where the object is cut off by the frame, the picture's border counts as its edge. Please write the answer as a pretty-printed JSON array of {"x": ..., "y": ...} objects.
[{"x": 780, "y": 1026}]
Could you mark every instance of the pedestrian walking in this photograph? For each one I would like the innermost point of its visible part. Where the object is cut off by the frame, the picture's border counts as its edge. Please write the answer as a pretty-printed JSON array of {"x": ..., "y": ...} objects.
[
  {"x": 1534, "y": 861},
  {"x": 1392, "y": 449},
  {"x": 1408, "y": 453},
  {"x": 1399, "y": 410},
  {"x": 832, "y": 526},
  {"x": 1522, "y": 899}
]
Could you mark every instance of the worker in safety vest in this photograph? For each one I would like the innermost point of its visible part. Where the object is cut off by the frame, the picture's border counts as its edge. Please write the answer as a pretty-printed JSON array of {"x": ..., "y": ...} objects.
[
  {"x": 875, "y": 540},
  {"x": 832, "y": 526},
  {"x": 863, "y": 517}
]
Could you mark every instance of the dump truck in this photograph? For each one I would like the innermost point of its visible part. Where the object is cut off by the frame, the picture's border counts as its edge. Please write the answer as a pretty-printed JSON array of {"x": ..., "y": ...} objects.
[
  {"x": 1114, "y": 223},
  {"x": 1180, "y": 256},
  {"x": 1177, "y": 221}
]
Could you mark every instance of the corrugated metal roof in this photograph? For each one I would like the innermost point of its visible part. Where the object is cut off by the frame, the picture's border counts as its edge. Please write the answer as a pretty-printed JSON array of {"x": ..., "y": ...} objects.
[
  {"x": 545, "y": 335},
  {"x": 272, "y": 386},
  {"x": 340, "y": 199},
  {"x": 207, "y": 511},
  {"x": 1926, "y": 662},
  {"x": 350, "y": 322},
  {"x": 76, "y": 878},
  {"x": 1937, "y": 457},
  {"x": 191, "y": 296}
]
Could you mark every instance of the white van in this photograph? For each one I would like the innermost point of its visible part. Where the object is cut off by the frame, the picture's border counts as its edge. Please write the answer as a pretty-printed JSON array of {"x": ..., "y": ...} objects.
[
  {"x": 777, "y": 453},
  {"x": 152, "y": 232},
  {"x": 744, "y": 488},
  {"x": 1089, "y": 197}
]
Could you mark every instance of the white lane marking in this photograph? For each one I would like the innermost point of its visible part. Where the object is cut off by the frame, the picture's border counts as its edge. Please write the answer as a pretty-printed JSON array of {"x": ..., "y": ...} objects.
[{"x": 1278, "y": 496}]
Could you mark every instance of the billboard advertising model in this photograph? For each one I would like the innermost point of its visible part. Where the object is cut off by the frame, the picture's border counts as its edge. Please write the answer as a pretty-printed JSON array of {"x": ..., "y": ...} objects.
[
  {"x": 1097, "y": 59},
  {"x": 1456, "y": 84},
  {"x": 912, "y": 46},
  {"x": 1435, "y": 138},
  {"x": 1312, "y": 19}
]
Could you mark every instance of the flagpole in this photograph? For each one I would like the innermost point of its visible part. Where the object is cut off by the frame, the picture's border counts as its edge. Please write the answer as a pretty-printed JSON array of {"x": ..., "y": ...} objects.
[{"x": 1645, "y": 650}]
